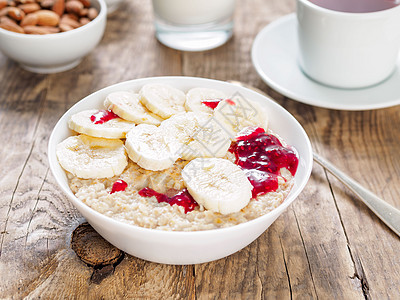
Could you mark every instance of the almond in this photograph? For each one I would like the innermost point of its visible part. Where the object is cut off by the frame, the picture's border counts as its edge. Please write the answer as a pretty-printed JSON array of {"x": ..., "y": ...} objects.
[
  {"x": 16, "y": 13},
  {"x": 83, "y": 12},
  {"x": 52, "y": 29},
  {"x": 31, "y": 29},
  {"x": 8, "y": 24},
  {"x": 84, "y": 21},
  {"x": 74, "y": 6},
  {"x": 86, "y": 3},
  {"x": 30, "y": 19},
  {"x": 59, "y": 7},
  {"x": 4, "y": 11},
  {"x": 47, "y": 3},
  {"x": 72, "y": 16},
  {"x": 29, "y": 7},
  {"x": 3, "y": 3},
  {"x": 65, "y": 27},
  {"x": 69, "y": 21},
  {"x": 92, "y": 13},
  {"x": 47, "y": 18}
]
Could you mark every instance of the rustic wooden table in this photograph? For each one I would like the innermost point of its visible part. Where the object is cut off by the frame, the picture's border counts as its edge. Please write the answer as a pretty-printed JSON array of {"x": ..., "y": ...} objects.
[{"x": 326, "y": 245}]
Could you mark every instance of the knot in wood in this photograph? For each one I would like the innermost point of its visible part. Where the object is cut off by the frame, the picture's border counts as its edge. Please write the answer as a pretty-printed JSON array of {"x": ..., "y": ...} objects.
[{"x": 93, "y": 249}]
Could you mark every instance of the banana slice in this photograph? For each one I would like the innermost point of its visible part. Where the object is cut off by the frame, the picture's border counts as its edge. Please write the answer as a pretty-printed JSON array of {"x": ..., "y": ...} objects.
[
  {"x": 104, "y": 125},
  {"x": 151, "y": 147},
  {"x": 89, "y": 157},
  {"x": 217, "y": 184},
  {"x": 199, "y": 134},
  {"x": 237, "y": 113},
  {"x": 182, "y": 125},
  {"x": 162, "y": 99},
  {"x": 127, "y": 106},
  {"x": 196, "y": 97}
]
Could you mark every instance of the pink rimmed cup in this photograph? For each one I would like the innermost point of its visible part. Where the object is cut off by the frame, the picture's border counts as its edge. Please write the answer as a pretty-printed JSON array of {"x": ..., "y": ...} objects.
[{"x": 347, "y": 50}]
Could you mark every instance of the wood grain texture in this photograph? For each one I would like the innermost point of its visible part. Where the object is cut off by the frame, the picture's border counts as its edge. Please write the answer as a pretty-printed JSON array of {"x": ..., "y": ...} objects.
[{"x": 327, "y": 245}]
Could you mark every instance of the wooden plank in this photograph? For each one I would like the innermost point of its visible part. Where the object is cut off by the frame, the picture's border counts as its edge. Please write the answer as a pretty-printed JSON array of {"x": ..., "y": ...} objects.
[
  {"x": 35, "y": 218},
  {"x": 374, "y": 164},
  {"x": 371, "y": 163},
  {"x": 233, "y": 277},
  {"x": 296, "y": 260},
  {"x": 324, "y": 241}
]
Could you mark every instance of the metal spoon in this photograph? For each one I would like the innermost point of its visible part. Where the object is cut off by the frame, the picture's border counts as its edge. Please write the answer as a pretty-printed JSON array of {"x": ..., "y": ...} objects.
[{"x": 387, "y": 213}]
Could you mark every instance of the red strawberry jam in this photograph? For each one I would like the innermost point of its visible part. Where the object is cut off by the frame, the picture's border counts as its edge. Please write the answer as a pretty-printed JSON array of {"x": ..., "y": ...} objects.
[
  {"x": 214, "y": 103},
  {"x": 118, "y": 186},
  {"x": 183, "y": 198},
  {"x": 230, "y": 102},
  {"x": 211, "y": 103},
  {"x": 248, "y": 133},
  {"x": 262, "y": 182},
  {"x": 261, "y": 157},
  {"x": 103, "y": 116}
]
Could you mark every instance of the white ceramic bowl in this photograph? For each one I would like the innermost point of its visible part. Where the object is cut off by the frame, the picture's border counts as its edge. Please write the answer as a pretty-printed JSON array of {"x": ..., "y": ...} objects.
[
  {"x": 56, "y": 52},
  {"x": 185, "y": 247}
]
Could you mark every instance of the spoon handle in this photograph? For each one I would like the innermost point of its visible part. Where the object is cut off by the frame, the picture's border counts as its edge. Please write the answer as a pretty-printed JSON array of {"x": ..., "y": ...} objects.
[{"x": 387, "y": 213}]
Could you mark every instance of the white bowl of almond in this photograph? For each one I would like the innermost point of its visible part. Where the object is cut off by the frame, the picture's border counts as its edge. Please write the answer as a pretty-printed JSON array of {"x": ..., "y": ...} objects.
[
  {"x": 48, "y": 36},
  {"x": 179, "y": 170}
]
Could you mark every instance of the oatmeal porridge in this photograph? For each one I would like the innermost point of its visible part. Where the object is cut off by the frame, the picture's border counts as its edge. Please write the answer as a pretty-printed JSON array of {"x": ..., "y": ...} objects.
[{"x": 164, "y": 159}]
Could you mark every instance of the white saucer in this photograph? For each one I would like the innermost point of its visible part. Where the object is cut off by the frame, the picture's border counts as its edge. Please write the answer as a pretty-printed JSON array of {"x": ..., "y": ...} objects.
[{"x": 274, "y": 55}]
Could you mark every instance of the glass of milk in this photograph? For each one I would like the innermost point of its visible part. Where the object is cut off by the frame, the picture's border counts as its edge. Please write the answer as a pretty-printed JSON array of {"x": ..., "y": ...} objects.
[{"x": 193, "y": 25}]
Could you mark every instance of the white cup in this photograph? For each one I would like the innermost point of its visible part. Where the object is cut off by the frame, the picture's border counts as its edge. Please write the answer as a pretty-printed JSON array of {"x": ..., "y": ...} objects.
[{"x": 347, "y": 50}]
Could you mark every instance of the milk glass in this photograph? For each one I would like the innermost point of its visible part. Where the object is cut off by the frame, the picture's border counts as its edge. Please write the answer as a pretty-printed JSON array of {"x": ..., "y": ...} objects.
[{"x": 193, "y": 25}]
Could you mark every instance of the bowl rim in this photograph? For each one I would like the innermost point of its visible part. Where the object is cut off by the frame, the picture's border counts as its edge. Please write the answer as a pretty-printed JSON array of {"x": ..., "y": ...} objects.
[
  {"x": 102, "y": 14},
  {"x": 103, "y": 218},
  {"x": 349, "y": 15}
]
